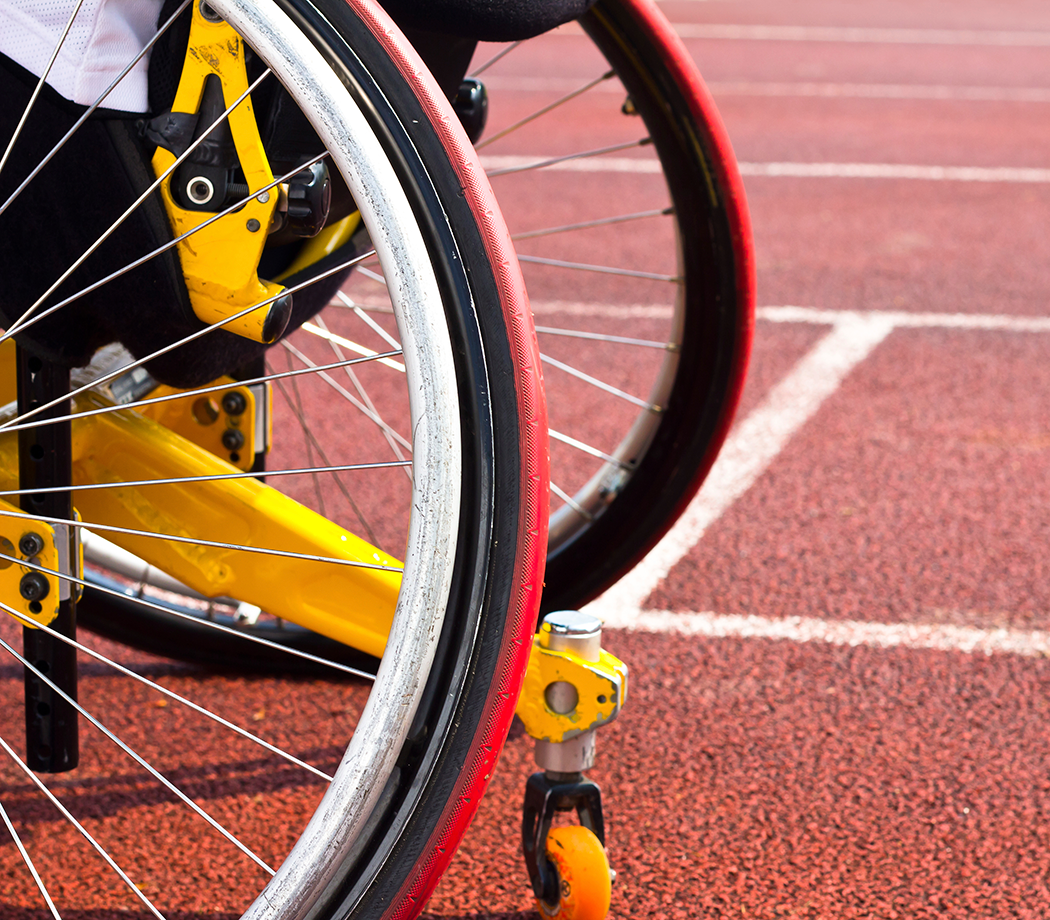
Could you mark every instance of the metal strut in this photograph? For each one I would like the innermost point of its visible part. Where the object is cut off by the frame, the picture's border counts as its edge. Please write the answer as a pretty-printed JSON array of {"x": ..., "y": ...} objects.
[{"x": 45, "y": 461}]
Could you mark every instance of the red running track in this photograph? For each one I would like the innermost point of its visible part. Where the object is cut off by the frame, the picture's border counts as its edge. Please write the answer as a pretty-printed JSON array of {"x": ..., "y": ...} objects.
[
  {"x": 839, "y": 700},
  {"x": 794, "y": 746}
]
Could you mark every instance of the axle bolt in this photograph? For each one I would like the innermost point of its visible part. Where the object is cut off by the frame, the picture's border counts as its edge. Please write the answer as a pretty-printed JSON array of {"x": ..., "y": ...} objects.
[
  {"x": 232, "y": 439},
  {"x": 31, "y": 544},
  {"x": 33, "y": 586},
  {"x": 234, "y": 403}
]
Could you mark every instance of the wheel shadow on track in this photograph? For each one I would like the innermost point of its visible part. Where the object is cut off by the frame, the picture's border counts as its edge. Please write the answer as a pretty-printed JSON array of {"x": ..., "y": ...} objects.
[{"x": 104, "y": 797}]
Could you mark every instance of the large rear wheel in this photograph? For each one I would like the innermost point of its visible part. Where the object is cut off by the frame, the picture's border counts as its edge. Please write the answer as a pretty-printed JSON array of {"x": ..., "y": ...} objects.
[{"x": 456, "y": 389}]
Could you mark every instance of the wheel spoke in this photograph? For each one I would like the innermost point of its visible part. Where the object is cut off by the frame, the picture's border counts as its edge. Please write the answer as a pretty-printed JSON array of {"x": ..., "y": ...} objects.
[
  {"x": 193, "y": 336},
  {"x": 193, "y": 391},
  {"x": 588, "y": 224},
  {"x": 602, "y": 269},
  {"x": 314, "y": 444},
  {"x": 39, "y": 86},
  {"x": 361, "y": 391},
  {"x": 161, "y": 608},
  {"x": 216, "y": 477},
  {"x": 41, "y": 887},
  {"x": 196, "y": 541},
  {"x": 24, "y": 767},
  {"x": 134, "y": 755},
  {"x": 149, "y": 191},
  {"x": 568, "y": 97},
  {"x": 342, "y": 391},
  {"x": 602, "y": 337},
  {"x": 87, "y": 114},
  {"x": 371, "y": 323},
  {"x": 497, "y": 57},
  {"x": 595, "y": 382},
  {"x": 142, "y": 260},
  {"x": 554, "y": 161},
  {"x": 571, "y": 502},
  {"x": 587, "y": 449},
  {"x": 322, "y": 332}
]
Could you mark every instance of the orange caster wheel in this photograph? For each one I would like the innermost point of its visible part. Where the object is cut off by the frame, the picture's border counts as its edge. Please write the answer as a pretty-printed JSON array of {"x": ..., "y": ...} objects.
[{"x": 585, "y": 885}]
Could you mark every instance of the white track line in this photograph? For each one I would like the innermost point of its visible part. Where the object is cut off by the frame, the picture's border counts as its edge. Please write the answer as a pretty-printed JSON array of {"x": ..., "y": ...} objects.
[
  {"x": 936, "y": 92},
  {"x": 842, "y": 632},
  {"x": 883, "y": 91},
  {"x": 651, "y": 166},
  {"x": 794, "y": 314},
  {"x": 749, "y": 450},
  {"x": 897, "y": 171},
  {"x": 987, "y": 321},
  {"x": 1008, "y": 39}
]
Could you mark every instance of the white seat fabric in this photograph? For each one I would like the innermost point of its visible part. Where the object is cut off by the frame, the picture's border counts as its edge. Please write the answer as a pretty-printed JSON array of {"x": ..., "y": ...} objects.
[{"x": 105, "y": 36}]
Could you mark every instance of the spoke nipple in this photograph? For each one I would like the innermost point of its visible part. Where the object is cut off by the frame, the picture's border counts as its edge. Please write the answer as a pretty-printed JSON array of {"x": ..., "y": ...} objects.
[{"x": 33, "y": 586}]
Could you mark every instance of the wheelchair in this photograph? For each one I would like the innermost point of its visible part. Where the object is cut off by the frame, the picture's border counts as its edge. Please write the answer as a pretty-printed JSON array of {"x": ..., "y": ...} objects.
[{"x": 284, "y": 447}]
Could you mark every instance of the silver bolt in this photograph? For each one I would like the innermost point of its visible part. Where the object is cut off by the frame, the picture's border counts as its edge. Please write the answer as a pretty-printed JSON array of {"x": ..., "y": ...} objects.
[{"x": 208, "y": 13}]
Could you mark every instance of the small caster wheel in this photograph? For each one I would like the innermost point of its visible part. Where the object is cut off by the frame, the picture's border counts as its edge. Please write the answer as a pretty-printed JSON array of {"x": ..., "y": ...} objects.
[{"x": 585, "y": 883}]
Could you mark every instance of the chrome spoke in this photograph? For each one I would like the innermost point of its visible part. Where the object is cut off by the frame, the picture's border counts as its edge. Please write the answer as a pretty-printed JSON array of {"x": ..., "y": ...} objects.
[
  {"x": 588, "y": 224},
  {"x": 193, "y": 391},
  {"x": 497, "y": 57},
  {"x": 587, "y": 449},
  {"x": 595, "y": 382},
  {"x": 196, "y": 541},
  {"x": 175, "y": 697},
  {"x": 214, "y": 477},
  {"x": 342, "y": 391},
  {"x": 571, "y": 502},
  {"x": 295, "y": 401},
  {"x": 134, "y": 755},
  {"x": 39, "y": 86},
  {"x": 335, "y": 342},
  {"x": 87, "y": 114},
  {"x": 568, "y": 97},
  {"x": 322, "y": 332},
  {"x": 313, "y": 444},
  {"x": 170, "y": 611},
  {"x": 368, "y": 321},
  {"x": 149, "y": 191},
  {"x": 24, "y": 767},
  {"x": 142, "y": 260},
  {"x": 553, "y": 161},
  {"x": 602, "y": 269},
  {"x": 29, "y": 864},
  {"x": 602, "y": 337},
  {"x": 193, "y": 336},
  {"x": 371, "y": 275}
]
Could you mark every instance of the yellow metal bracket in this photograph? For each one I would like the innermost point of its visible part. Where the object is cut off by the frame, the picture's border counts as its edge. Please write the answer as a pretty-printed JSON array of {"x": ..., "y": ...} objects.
[
  {"x": 565, "y": 695},
  {"x": 220, "y": 261},
  {"x": 33, "y": 593},
  {"x": 223, "y": 423}
]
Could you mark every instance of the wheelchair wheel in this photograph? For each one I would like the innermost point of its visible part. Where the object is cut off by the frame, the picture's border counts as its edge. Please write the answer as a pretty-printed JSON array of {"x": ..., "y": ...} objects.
[
  {"x": 640, "y": 272},
  {"x": 459, "y": 393}
]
